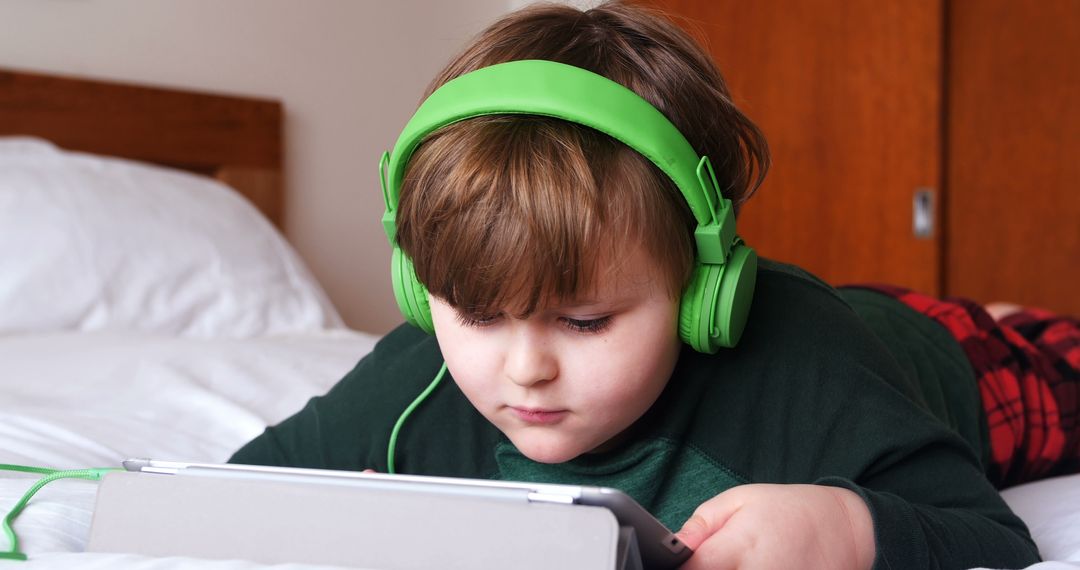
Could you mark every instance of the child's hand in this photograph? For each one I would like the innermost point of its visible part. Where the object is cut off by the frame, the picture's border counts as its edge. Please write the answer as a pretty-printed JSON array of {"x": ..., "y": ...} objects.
[{"x": 781, "y": 526}]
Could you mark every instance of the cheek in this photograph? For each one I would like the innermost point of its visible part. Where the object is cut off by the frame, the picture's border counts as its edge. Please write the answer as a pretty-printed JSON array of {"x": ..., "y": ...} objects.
[
  {"x": 631, "y": 370},
  {"x": 467, "y": 354},
  {"x": 471, "y": 365}
]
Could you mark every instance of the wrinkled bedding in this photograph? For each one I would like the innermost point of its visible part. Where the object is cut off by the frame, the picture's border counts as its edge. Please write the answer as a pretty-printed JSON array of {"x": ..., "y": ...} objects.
[{"x": 76, "y": 400}]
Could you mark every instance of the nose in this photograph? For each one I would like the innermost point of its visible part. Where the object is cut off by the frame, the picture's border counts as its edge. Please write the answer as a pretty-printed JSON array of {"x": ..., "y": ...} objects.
[{"x": 529, "y": 358}]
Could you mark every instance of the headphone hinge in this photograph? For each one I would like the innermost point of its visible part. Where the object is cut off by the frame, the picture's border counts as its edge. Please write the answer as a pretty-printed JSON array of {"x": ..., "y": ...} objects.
[
  {"x": 714, "y": 240},
  {"x": 389, "y": 222}
]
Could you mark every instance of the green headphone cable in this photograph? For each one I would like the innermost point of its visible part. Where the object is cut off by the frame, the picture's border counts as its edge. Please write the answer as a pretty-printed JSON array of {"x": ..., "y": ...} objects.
[
  {"x": 405, "y": 415},
  {"x": 50, "y": 475}
]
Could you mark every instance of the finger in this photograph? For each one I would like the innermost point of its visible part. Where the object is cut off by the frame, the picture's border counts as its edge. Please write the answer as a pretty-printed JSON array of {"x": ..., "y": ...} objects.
[
  {"x": 707, "y": 519},
  {"x": 694, "y": 531},
  {"x": 724, "y": 549}
]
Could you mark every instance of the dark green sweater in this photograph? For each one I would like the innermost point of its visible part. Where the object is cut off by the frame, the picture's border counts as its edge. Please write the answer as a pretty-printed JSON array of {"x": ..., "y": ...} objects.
[{"x": 879, "y": 400}]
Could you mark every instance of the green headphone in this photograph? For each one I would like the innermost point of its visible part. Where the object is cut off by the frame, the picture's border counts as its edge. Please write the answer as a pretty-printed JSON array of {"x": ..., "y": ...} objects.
[{"x": 714, "y": 306}]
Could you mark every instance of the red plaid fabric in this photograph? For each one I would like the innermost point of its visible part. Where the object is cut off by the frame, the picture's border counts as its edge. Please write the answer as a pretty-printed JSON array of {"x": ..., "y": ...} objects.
[{"x": 1027, "y": 366}]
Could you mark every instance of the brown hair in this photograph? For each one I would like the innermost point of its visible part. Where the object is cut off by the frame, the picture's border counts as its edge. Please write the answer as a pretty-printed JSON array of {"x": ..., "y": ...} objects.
[{"x": 510, "y": 211}]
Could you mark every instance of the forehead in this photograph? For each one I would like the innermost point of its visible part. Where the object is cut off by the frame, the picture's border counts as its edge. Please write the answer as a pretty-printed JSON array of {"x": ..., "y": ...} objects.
[{"x": 619, "y": 275}]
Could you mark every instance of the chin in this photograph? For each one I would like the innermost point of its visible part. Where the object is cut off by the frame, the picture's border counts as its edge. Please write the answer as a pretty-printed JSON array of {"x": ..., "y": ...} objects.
[{"x": 546, "y": 451}]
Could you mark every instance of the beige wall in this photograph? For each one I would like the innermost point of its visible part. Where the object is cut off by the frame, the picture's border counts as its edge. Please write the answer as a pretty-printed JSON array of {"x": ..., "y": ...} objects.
[{"x": 348, "y": 71}]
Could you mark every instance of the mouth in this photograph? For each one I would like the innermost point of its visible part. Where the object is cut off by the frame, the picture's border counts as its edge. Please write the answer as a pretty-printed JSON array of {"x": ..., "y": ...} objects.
[{"x": 538, "y": 416}]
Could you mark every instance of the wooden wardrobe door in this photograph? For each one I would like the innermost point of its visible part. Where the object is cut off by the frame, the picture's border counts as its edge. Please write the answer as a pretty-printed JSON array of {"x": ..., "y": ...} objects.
[
  {"x": 1014, "y": 152},
  {"x": 848, "y": 93}
]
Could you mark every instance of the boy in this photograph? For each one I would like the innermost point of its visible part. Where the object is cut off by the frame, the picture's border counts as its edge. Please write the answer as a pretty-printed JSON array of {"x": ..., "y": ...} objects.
[{"x": 554, "y": 264}]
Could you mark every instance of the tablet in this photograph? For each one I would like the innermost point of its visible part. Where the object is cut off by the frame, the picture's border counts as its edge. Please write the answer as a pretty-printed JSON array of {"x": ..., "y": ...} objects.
[{"x": 659, "y": 547}]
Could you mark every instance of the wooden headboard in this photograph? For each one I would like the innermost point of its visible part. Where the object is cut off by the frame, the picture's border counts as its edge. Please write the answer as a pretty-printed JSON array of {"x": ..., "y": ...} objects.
[{"x": 237, "y": 140}]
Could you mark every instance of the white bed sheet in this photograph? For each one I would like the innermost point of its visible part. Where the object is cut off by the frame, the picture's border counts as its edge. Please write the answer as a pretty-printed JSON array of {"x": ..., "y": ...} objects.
[
  {"x": 93, "y": 399},
  {"x": 75, "y": 400}
]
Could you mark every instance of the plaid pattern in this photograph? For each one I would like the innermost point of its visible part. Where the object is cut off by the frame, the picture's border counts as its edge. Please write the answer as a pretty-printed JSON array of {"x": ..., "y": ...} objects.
[{"x": 1027, "y": 366}]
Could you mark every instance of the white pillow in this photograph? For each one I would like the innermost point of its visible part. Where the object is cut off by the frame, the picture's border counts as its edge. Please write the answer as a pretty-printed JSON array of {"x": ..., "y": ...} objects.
[{"x": 96, "y": 243}]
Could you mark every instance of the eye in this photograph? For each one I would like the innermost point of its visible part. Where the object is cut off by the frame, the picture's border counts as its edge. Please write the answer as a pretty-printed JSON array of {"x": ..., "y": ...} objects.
[
  {"x": 476, "y": 321},
  {"x": 588, "y": 326}
]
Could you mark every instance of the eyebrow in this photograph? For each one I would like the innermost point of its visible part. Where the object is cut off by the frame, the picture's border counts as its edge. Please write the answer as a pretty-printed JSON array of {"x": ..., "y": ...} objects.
[{"x": 609, "y": 303}]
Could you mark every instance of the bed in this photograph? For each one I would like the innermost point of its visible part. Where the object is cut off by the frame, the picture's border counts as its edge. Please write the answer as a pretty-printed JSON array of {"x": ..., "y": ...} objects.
[{"x": 150, "y": 306}]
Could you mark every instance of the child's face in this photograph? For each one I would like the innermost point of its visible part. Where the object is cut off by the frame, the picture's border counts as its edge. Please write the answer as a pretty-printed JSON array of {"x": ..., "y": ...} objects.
[{"x": 570, "y": 377}]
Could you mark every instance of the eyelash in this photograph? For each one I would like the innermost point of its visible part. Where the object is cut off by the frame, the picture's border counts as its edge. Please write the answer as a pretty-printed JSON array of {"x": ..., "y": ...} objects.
[
  {"x": 481, "y": 322},
  {"x": 585, "y": 326},
  {"x": 588, "y": 326}
]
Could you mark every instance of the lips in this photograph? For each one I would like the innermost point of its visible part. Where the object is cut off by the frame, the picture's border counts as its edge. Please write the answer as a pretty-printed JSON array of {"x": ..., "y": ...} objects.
[{"x": 539, "y": 416}]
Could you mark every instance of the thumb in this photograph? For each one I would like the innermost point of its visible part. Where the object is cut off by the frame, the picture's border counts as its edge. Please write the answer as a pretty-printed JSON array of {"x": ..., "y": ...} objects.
[
  {"x": 694, "y": 531},
  {"x": 708, "y": 519}
]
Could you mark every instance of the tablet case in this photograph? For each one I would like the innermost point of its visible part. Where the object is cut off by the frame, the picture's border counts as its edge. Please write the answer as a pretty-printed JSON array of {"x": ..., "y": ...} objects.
[{"x": 274, "y": 522}]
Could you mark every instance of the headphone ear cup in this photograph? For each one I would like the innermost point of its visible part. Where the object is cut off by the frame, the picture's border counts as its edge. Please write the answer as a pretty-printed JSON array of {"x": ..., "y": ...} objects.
[
  {"x": 735, "y": 294},
  {"x": 690, "y": 308},
  {"x": 411, "y": 295},
  {"x": 713, "y": 311}
]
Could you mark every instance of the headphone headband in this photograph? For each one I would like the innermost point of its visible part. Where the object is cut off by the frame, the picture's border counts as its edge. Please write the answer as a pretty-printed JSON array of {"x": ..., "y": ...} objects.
[
  {"x": 548, "y": 88},
  {"x": 714, "y": 307}
]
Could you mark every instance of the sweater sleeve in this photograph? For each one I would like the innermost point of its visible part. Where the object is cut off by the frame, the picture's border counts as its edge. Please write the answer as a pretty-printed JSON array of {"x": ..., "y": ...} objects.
[
  {"x": 816, "y": 397},
  {"x": 931, "y": 503},
  {"x": 961, "y": 535}
]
